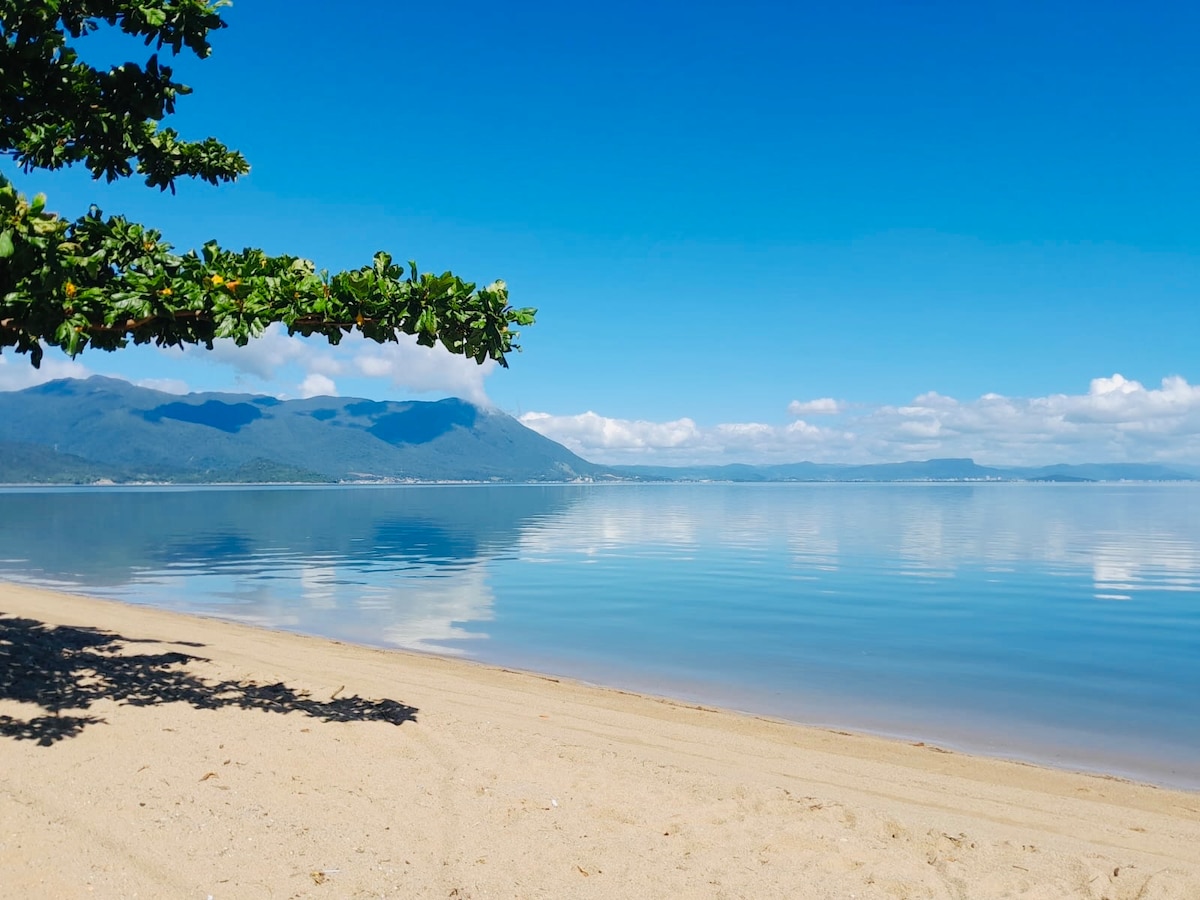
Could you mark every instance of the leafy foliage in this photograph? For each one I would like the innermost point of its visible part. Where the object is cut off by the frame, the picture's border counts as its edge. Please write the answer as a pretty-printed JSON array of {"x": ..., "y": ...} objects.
[
  {"x": 59, "y": 110},
  {"x": 106, "y": 282}
]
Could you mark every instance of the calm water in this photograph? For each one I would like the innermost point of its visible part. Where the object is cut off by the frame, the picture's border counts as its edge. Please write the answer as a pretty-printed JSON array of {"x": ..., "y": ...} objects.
[{"x": 1059, "y": 623}]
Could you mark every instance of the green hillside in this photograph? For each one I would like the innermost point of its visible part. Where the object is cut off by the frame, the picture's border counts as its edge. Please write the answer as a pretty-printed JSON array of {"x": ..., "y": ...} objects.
[{"x": 103, "y": 428}]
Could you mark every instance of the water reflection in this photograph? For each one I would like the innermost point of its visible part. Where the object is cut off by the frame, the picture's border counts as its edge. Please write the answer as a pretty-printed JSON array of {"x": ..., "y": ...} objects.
[
  {"x": 1050, "y": 615},
  {"x": 1126, "y": 537},
  {"x": 403, "y": 567},
  {"x": 1144, "y": 562},
  {"x": 264, "y": 551}
]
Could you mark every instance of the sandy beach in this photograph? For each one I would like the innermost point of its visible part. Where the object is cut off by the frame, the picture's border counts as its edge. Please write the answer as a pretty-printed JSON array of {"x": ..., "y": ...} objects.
[{"x": 149, "y": 754}]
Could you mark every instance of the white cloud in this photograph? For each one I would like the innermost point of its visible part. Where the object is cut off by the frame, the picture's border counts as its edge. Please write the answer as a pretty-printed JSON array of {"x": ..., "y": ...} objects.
[
  {"x": 276, "y": 361},
  {"x": 681, "y": 441},
  {"x": 17, "y": 373},
  {"x": 824, "y": 406},
  {"x": 1119, "y": 400},
  {"x": 801, "y": 427},
  {"x": 317, "y": 385},
  {"x": 264, "y": 357},
  {"x": 411, "y": 367},
  {"x": 588, "y": 430},
  {"x": 1118, "y": 384},
  {"x": 1116, "y": 420}
]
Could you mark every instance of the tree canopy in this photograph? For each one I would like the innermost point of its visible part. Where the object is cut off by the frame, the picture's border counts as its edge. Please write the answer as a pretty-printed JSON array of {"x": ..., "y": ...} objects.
[{"x": 105, "y": 281}]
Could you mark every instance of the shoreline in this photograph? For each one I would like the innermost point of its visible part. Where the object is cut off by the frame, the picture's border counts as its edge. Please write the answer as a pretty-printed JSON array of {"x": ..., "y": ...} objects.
[
  {"x": 4, "y": 485},
  {"x": 246, "y": 758},
  {"x": 1027, "y": 743},
  {"x": 978, "y": 739}
]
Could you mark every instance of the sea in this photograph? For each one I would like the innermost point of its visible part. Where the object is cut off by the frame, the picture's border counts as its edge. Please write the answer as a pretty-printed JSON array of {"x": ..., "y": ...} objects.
[{"x": 1050, "y": 623}]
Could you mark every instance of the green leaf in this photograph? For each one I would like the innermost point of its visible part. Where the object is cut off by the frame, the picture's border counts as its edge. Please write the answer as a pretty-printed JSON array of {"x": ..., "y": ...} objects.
[{"x": 119, "y": 280}]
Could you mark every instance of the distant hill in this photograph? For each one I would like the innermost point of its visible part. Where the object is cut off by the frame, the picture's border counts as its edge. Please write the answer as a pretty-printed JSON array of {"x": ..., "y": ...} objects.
[
  {"x": 105, "y": 428},
  {"x": 925, "y": 470},
  {"x": 24, "y": 463},
  {"x": 1113, "y": 472}
]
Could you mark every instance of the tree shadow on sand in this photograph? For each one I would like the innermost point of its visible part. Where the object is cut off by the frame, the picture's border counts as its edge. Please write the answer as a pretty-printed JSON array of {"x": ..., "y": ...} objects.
[{"x": 62, "y": 668}]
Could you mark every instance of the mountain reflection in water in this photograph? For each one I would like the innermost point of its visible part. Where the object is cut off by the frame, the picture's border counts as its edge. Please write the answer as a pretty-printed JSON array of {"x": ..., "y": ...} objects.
[{"x": 1057, "y": 622}]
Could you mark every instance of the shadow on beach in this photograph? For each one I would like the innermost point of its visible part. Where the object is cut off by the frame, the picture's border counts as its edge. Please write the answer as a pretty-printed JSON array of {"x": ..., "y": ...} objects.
[{"x": 64, "y": 670}]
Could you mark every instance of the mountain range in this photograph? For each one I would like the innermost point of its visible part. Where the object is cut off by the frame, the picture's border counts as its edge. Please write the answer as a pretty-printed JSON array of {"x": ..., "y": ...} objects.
[
  {"x": 108, "y": 430},
  {"x": 923, "y": 470}
]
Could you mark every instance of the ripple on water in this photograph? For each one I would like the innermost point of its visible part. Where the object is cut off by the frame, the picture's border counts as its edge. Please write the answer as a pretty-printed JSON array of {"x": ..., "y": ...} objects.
[{"x": 1028, "y": 620}]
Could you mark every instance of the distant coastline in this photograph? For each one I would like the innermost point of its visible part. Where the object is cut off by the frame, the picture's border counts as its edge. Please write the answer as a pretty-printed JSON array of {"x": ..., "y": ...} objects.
[
  {"x": 616, "y": 482},
  {"x": 102, "y": 431}
]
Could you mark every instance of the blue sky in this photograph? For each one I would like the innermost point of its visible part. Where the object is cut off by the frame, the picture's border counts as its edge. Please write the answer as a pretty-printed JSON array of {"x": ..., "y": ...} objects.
[{"x": 754, "y": 231}]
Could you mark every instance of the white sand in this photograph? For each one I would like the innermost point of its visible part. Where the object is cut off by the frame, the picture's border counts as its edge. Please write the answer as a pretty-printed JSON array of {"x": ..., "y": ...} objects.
[{"x": 504, "y": 784}]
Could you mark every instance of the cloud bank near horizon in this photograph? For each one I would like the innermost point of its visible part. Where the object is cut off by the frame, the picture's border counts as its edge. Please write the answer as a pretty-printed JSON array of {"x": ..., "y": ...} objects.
[{"x": 1117, "y": 420}]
